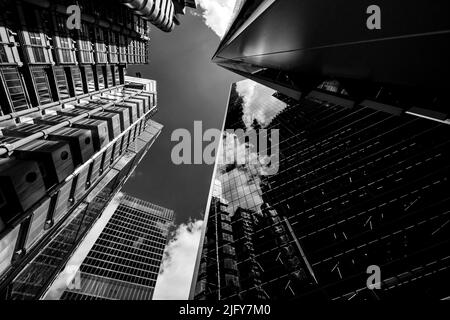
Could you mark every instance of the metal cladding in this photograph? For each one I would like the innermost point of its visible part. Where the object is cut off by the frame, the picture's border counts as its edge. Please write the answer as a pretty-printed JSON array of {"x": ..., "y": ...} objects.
[
  {"x": 61, "y": 163},
  {"x": 55, "y": 161},
  {"x": 158, "y": 12},
  {"x": 291, "y": 46}
]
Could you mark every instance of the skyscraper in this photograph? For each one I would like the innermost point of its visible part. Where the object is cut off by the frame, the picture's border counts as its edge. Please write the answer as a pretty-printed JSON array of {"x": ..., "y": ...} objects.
[
  {"x": 360, "y": 187},
  {"x": 72, "y": 131},
  {"x": 292, "y": 46},
  {"x": 162, "y": 13},
  {"x": 125, "y": 260}
]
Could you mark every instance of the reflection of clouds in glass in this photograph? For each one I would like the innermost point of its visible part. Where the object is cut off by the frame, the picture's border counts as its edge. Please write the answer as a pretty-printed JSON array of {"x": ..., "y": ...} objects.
[
  {"x": 259, "y": 103},
  {"x": 238, "y": 185},
  {"x": 241, "y": 189}
]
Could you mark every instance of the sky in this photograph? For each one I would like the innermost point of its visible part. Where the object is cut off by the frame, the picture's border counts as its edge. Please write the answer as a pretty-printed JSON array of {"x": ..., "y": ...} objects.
[{"x": 190, "y": 88}]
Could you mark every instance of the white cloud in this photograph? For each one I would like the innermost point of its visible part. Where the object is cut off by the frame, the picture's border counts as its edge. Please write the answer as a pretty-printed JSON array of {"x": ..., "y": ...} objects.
[
  {"x": 217, "y": 14},
  {"x": 259, "y": 103},
  {"x": 178, "y": 264}
]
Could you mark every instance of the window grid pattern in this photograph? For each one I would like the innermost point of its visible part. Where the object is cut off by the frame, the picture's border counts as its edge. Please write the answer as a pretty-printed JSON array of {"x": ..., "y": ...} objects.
[
  {"x": 125, "y": 260},
  {"x": 355, "y": 187}
]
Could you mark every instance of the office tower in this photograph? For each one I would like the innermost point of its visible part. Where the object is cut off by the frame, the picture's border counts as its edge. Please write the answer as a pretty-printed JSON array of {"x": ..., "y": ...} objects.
[
  {"x": 72, "y": 131},
  {"x": 92, "y": 147},
  {"x": 125, "y": 260},
  {"x": 43, "y": 61},
  {"x": 162, "y": 13},
  {"x": 292, "y": 46},
  {"x": 359, "y": 186}
]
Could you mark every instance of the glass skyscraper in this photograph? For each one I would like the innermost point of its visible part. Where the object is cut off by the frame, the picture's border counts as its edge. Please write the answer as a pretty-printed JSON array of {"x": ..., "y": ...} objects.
[
  {"x": 292, "y": 46},
  {"x": 359, "y": 185},
  {"x": 124, "y": 262}
]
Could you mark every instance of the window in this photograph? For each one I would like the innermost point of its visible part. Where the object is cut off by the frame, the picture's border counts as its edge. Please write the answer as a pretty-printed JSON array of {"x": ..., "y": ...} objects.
[
  {"x": 8, "y": 49},
  {"x": 85, "y": 46},
  {"x": 90, "y": 79},
  {"x": 227, "y": 249},
  {"x": 64, "y": 50},
  {"x": 226, "y": 227},
  {"x": 122, "y": 49},
  {"x": 112, "y": 42},
  {"x": 100, "y": 46},
  {"x": 15, "y": 88},
  {"x": 100, "y": 77},
  {"x": 3, "y": 56},
  {"x": 77, "y": 80},
  {"x": 227, "y": 237},
  {"x": 61, "y": 83},
  {"x": 42, "y": 86},
  {"x": 36, "y": 43},
  {"x": 230, "y": 264},
  {"x": 7, "y": 248},
  {"x": 231, "y": 280}
]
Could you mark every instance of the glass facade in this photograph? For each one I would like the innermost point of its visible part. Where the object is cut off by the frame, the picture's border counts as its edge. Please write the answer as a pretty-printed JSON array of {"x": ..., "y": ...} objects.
[
  {"x": 358, "y": 185},
  {"x": 125, "y": 260}
]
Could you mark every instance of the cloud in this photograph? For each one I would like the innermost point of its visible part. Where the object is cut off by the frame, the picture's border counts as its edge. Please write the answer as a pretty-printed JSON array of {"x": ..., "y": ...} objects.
[
  {"x": 217, "y": 14},
  {"x": 259, "y": 103},
  {"x": 175, "y": 278},
  {"x": 239, "y": 187}
]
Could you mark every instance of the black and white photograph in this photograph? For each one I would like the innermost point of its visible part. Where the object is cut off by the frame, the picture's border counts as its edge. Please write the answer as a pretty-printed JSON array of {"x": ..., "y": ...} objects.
[{"x": 220, "y": 159}]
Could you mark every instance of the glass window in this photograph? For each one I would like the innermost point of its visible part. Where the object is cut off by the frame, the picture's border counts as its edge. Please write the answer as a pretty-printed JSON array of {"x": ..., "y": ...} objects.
[
  {"x": 227, "y": 237},
  {"x": 231, "y": 280},
  {"x": 7, "y": 246},
  {"x": 37, "y": 47},
  {"x": 230, "y": 264},
  {"x": 226, "y": 227},
  {"x": 227, "y": 249}
]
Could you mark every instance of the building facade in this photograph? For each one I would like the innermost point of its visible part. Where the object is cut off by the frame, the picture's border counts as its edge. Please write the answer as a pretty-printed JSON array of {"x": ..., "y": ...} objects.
[
  {"x": 292, "y": 46},
  {"x": 90, "y": 151},
  {"x": 162, "y": 13},
  {"x": 360, "y": 187},
  {"x": 72, "y": 130},
  {"x": 43, "y": 61},
  {"x": 125, "y": 260}
]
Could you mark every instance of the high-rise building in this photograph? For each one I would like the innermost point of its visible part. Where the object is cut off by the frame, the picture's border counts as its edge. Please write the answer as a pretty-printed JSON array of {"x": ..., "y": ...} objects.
[
  {"x": 124, "y": 262},
  {"x": 43, "y": 59},
  {"x": 72, "y": 130},
  {"x": 390, "y": 52},
  {"x": 162, "y": 13},
  {"x": 92, "y": 147},
  {"x": 360, "y": 188}
]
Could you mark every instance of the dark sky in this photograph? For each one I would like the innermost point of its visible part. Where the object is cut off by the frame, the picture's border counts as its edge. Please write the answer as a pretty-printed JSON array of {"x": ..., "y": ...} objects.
[{"x": 190, "y": 88}]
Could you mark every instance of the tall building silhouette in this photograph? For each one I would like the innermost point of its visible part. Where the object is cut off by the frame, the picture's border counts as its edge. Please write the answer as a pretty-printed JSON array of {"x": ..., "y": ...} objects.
[
  {"x": 72, "y": 130},
  {"x": 124, "y": 262},
  {"x": 359, "y": 186}
]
